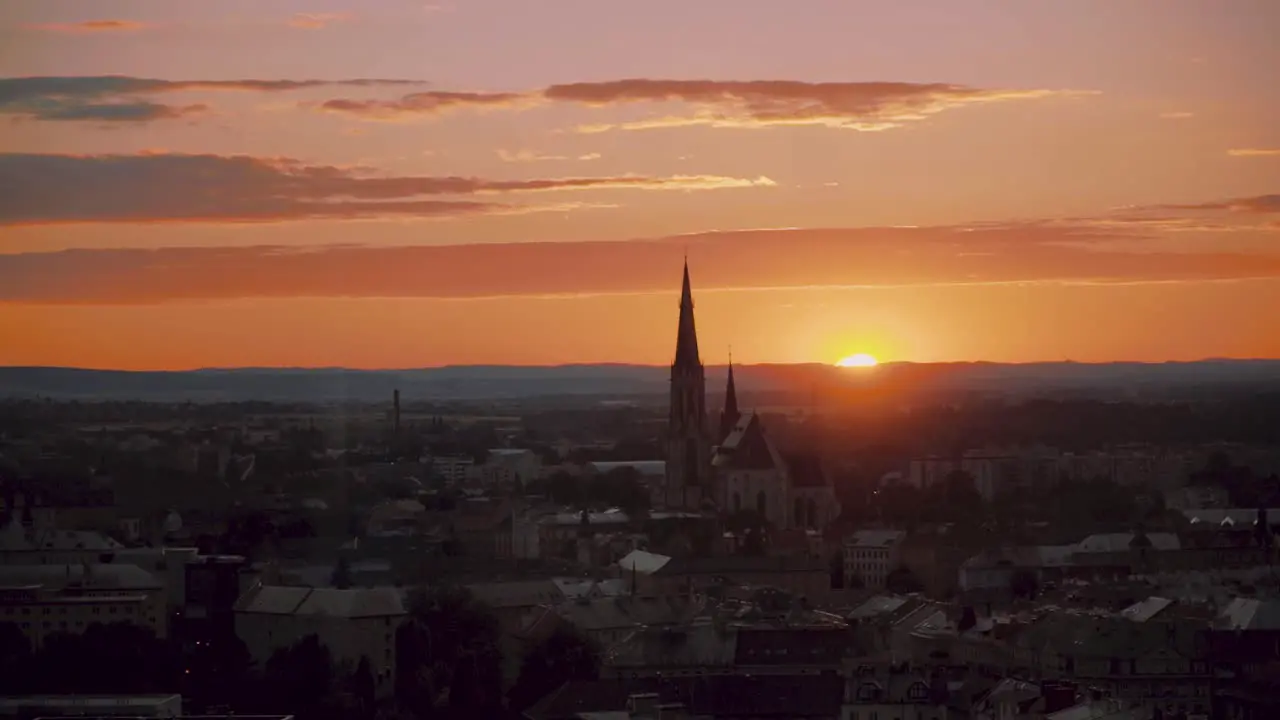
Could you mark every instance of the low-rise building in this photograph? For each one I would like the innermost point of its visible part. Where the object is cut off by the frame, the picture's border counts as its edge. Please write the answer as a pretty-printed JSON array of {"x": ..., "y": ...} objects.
[
  {"x": 43, "y": 600},
  {"x": 870, "y": 555}
]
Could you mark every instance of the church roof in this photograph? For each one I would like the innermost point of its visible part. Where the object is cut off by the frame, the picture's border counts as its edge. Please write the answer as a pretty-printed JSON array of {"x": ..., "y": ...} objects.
[{"x": 747, "y": 447}]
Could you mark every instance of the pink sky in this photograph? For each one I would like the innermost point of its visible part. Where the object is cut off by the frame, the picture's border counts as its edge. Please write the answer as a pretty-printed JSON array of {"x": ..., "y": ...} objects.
[{"x": 922, "y": 180}]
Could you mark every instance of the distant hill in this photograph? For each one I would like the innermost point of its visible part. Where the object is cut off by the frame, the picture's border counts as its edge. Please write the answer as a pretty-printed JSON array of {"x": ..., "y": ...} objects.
[{"x": 507, "y": 382}]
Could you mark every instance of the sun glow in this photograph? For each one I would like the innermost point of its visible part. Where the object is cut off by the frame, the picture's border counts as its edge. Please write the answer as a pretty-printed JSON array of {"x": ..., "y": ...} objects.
[{"x": 858, "y": 360}]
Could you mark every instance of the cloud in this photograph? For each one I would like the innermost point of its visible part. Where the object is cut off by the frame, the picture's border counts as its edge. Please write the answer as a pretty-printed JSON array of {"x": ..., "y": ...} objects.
[
  {"x": 1036, "y": 251},
  {"x": 530, "y": 156},
  {"x": 864, "y": 106},
  {"x": 423, "y": 103},
  {"x": 1254, "y": 152},
  {"x": 1254, "y": 204},
  {"x": 526, "y": 156},
  {"x": 157, "y": 187},
  {"x": 317, "y": 21},
  {"x": 93, "y": 26},
  {"x": 118, "y": 98},
  {"x": 1176, "y": 115},
  {"x": 850, "y": 105}
]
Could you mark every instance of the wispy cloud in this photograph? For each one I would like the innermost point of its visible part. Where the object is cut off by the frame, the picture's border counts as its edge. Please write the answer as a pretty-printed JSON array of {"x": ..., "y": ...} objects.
[
  {"x": 530, "y": 156},
  {"x": 317, "y": 21},
  {"x": 424, "y": 103},
  {"x": 154, "y": 187},
  {"x": 118, "y": 98},
  {"x": 92, "y": 26},
  {"x": 787, "y": 258},
  {"x": 1262, "y": 204},
  {"x": 1254, "y": 152},
  {"x": 850, "y": 105},
  {"x": 866, "y": 106},
  {"x": 1177, "y": 115}
]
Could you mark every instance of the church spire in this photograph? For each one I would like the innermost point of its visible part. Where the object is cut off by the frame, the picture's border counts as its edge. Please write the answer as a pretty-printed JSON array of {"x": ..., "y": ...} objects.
[
  {"x": 687, "y": 340},
  {"x": 729, "y": 418}
]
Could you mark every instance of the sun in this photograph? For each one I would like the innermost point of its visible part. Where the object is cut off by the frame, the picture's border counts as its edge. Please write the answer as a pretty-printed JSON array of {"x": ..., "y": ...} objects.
[{"x": 858, "y": 360}]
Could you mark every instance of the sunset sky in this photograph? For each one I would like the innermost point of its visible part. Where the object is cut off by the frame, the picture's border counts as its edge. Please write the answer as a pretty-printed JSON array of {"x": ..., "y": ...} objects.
[{"x": 397, "y": 183}]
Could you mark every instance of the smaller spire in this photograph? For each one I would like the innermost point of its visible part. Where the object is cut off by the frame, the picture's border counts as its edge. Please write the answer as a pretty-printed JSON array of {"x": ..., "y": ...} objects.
[{"x": 729, "y": 418}]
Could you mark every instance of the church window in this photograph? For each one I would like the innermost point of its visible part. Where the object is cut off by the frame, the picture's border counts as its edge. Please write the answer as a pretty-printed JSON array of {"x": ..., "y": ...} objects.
[
  {"x": 798, "y": 515},
  {"x": 813, "y": 513},
  {"x": 737, "y": 502},
  {"x": 762, "y": 503}
]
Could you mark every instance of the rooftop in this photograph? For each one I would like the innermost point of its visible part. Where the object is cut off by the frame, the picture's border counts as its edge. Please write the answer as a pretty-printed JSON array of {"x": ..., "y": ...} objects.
[
  {"x": 327, "y": 602},
  {"x": 95, "y": 575},
  {"x": 874, "y": 538}
]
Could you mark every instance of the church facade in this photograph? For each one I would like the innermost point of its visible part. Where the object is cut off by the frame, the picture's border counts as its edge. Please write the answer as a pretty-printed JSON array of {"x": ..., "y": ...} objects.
[{"x": 736, "y": 466}]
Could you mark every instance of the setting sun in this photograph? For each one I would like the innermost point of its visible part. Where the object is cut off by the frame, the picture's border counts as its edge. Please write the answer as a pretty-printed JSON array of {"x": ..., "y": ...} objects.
[{"x": 858, "y": 360}]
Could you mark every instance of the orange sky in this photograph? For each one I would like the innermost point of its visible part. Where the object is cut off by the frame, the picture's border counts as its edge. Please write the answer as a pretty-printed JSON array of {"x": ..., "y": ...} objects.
[{"x": 406, "y": 184}]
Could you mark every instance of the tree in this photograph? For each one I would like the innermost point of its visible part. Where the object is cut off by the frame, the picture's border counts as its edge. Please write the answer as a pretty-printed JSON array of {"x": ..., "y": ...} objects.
[
  {"x": 341, "y": 577},
  {"x": 114, "y": 658},
  {"x": 220, "y": 671},
  {"x": 363, "y": 686},
  {"x": 449, "y": 641},
  {"x": 1023, "y": 583},
  {"x": 902, "y": 581},
  {"x": 299, "y": 678},
  {"x": 15, "y": 660},
  {"x": 837, "y": 570},
  {"x": 564, "y": 656}
]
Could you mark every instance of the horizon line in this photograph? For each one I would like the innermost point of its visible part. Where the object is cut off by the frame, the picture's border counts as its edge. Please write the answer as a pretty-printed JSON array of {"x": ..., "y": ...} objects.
[{"x": 570, "y": 365}]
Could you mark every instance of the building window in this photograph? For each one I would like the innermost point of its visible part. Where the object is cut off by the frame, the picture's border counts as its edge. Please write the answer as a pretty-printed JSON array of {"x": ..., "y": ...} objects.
[
  {"x": 737, "y": 502},
  {"x": 761, "y": 503}
]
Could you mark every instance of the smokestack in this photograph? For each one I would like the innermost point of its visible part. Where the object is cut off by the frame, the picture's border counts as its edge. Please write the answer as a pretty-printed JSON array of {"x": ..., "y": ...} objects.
[{"x": 395, "y": 411}]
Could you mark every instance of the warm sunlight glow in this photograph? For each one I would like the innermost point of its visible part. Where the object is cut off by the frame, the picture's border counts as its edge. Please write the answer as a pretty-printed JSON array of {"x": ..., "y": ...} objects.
[{"x": 858, "y": 360}]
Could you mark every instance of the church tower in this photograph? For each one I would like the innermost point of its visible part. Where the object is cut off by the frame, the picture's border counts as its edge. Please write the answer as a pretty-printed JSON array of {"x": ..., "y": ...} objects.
[
  {"x": 688, "y": 473},
  {"x": 729, "y": 417}
]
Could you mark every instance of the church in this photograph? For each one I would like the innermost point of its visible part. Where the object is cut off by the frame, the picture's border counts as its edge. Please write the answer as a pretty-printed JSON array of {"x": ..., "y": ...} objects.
[{"x": 733, "y": 465}]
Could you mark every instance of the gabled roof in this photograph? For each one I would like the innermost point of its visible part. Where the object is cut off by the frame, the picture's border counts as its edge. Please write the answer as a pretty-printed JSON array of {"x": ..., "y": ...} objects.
[
  {"x": 1249, "y": 614},
  {"x": 353, "y": 602},
  {"x": 1121, "y": 542},
  {"x": 644, "y": 562},
  {"x": 1144, "y": 610},
  {"x": 747, "y": 447}
]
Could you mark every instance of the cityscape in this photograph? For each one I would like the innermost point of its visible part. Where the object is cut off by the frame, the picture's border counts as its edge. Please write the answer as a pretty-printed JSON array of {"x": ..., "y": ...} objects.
[{"x": 328, "y": 391}]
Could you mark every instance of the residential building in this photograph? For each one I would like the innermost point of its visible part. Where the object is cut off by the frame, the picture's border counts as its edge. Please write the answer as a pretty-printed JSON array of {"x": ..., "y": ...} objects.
[
  {"x": 870, "y": 555},
  {"x": 46, "y": 599}
]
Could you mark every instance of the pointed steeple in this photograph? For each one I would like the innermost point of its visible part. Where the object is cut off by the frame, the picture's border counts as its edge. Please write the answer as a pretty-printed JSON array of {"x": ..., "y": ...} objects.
[
  {"x": 687, "y": 340},
  {"x": 729, "y": 418}
]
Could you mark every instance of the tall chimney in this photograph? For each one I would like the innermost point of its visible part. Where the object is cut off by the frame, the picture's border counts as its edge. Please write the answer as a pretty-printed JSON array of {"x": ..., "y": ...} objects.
[{"x": 395, "y": 410}]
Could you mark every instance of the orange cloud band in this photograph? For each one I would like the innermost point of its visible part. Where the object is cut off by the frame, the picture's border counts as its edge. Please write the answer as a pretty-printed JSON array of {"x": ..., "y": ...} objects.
[{"x": 1010, "y": 254}]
